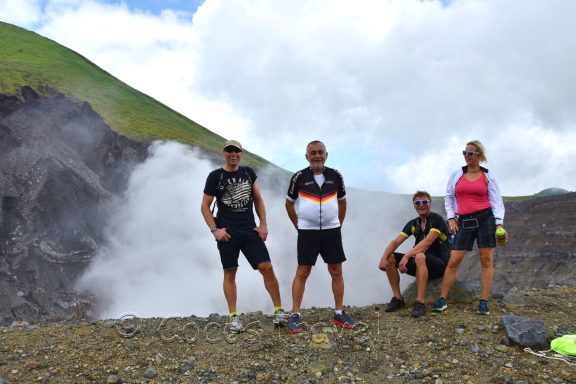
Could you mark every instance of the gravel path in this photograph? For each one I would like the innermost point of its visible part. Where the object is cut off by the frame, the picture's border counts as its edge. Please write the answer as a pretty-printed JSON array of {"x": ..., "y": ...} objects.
[{"x": 457, "y": 346}]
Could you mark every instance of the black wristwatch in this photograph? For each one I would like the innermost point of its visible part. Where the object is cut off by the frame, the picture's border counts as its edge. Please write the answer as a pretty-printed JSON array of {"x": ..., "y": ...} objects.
[{"x": 213, "y": 229}]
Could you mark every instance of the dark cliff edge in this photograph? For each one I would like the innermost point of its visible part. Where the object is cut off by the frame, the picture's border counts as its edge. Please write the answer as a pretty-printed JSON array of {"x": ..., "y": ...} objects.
[{"x": 60, "y": 167}]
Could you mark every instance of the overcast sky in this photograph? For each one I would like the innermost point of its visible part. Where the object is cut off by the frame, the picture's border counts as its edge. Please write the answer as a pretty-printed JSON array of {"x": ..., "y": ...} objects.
[{"x": 394, "y": 88}]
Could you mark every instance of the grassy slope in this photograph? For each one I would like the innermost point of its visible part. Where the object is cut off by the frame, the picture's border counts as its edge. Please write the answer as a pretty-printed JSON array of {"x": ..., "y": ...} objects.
[{"x": 27, "y": 58}]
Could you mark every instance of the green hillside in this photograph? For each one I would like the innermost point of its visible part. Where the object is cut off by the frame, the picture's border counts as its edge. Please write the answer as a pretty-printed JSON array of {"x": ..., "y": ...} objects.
[{"x": 28, "y": 59}]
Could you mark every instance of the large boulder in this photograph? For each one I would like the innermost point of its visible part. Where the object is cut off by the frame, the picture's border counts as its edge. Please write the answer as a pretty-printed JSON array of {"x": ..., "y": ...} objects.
[
  {"x": 458, "y": 293},
  {"x": 524, "y": 331}
]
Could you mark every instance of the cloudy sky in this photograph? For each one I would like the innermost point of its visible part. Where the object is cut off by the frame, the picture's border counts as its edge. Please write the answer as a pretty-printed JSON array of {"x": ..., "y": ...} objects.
[{"x": 394, "y": 88}]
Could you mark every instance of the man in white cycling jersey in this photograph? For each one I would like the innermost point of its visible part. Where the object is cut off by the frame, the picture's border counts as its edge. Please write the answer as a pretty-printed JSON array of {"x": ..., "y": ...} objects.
[{"x": 321, "y": 197}]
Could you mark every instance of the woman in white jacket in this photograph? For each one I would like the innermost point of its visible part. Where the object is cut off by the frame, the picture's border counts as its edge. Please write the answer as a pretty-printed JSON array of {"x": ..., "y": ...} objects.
[{"x": 475, "y": 211}]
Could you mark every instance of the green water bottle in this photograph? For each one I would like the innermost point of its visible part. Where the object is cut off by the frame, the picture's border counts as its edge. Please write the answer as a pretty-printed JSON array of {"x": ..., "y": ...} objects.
[{"x": 501, "y": 236}]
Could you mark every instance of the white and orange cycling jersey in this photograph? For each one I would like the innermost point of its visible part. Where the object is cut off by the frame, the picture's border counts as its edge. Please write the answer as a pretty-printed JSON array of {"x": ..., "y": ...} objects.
[{"x": 317, "y": 200}]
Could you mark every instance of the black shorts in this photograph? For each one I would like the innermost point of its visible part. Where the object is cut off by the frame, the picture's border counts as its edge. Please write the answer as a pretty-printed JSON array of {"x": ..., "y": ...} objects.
[
  {"x": 436, "y": 265},
  {"x": 246, "y": 240},
  {"x": 479, "y": 226},
  {"x": 326, "y": 242}
]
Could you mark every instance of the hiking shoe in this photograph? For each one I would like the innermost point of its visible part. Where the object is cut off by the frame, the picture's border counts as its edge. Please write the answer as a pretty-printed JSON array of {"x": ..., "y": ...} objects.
[
  {"x": 419, "y": 309},
  {"x": 440, "y": 305},
  {"x": 235, "y": 325},
  {"x": 483, "y": 307},
  {"x": 280, "y": 317},
  {"x": 394, "y": 304},
  {"x": 294, "y": 324},
  {"x": 344, "y": 320}
]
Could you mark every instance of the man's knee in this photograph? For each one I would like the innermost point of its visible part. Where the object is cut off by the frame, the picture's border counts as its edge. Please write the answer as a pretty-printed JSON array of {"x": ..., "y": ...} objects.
[
  {"x": 230, "y": 275},
  {"x": 303, "y": 271},
  {"x": 420, "y": 259},
  {"x": 265, "y": 268},
  {"x": 335, "y": 270}
]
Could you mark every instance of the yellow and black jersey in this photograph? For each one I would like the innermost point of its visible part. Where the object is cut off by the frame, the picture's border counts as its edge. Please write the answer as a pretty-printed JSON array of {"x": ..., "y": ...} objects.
[{"x": 435, "y": 223}]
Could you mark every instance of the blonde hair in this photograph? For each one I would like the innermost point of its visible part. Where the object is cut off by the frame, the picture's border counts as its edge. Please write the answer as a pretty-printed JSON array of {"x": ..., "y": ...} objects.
[{"x": 480, "y": 149}]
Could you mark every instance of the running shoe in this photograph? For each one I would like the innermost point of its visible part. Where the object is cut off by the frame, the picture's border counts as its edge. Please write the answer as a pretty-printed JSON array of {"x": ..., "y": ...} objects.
[
  {"x": 394, "y": 304},
  {"x": 280, "y": 317},
  {"x": 440, "y": 305},
  {"x": 294, "y": 324},
  {"x": 483, "y": 307},
  {"x": 235, "y": 325},
  {"x": 344, "y": 320},
  {"x": 419, "y": 309}
]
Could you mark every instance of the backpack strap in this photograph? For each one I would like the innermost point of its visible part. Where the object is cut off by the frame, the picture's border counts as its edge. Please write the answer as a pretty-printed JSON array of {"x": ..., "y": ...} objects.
[
  {"x": 246, "y": 174},
  {"x": 217, "y": 189}
]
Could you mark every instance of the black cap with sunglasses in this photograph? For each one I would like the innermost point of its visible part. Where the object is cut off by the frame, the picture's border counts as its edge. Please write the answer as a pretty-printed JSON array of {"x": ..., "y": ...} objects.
[{"x": 232, "y": 146}]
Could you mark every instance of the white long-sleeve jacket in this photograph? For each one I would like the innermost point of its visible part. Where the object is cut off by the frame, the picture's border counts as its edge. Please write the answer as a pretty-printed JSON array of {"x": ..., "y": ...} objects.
[{"x": 494, "y": 195}]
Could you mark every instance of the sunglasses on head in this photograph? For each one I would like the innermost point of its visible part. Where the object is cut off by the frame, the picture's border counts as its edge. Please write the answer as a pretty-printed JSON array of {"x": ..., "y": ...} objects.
[
  {"x": 423, "y": 202},
  {"x": 470, "y": 153},
  {"x": 231, "y": 149}
]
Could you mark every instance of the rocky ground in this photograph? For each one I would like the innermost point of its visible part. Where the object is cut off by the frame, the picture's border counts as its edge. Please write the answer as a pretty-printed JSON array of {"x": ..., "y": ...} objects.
[{"x": 457, "y": 346}]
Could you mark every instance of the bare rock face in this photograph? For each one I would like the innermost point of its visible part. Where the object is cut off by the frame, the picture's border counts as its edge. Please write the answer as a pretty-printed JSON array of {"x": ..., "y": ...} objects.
[
  {"x": 541, "y": 250},
  {"x": 60, "y": 167}
]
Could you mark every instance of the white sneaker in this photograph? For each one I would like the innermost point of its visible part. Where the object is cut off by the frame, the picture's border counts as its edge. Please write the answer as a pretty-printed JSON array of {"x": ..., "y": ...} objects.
[
  {"x": 235, "y": 325},
  {"x": 280, "y": 317}
]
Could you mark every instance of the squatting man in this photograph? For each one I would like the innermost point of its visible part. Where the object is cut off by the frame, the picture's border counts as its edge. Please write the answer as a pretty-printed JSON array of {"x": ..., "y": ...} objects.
[{"x": 426, "y": 260}]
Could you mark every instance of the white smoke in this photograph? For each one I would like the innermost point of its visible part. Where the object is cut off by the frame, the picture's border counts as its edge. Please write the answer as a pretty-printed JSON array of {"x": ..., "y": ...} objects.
[{"x": 161, "y": 260}]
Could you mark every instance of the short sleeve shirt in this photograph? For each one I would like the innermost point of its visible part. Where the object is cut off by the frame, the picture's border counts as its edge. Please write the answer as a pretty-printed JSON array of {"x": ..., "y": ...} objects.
[
  {"x": 435, "y": 223},
  {"x": 317, "y": 205},
  {"x": 233, "y": 193}
]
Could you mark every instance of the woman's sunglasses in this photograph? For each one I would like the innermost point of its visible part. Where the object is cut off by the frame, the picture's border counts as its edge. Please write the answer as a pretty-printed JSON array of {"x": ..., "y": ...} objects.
[{"x": 470, "y": 153}]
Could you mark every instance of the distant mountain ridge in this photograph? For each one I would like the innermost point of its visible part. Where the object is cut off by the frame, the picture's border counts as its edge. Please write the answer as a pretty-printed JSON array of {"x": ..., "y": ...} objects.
[{"x": 552, "y": 192}]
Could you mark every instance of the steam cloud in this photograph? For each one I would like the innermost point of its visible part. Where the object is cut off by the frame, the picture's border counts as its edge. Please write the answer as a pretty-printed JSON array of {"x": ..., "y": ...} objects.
[{"x": 162, "y": 261}]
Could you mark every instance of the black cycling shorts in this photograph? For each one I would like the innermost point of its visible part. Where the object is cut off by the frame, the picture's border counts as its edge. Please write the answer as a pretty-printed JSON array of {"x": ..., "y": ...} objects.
[
  {"x": 326, "y": 242},
  {"x": 246, "y": 240},
  {"x": 479, "y": 226},
  {"x": 436, "y": 265}
]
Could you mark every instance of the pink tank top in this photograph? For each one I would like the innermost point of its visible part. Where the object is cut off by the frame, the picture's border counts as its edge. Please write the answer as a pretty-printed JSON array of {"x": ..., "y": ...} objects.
[{"x": 472, "y": 196}]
